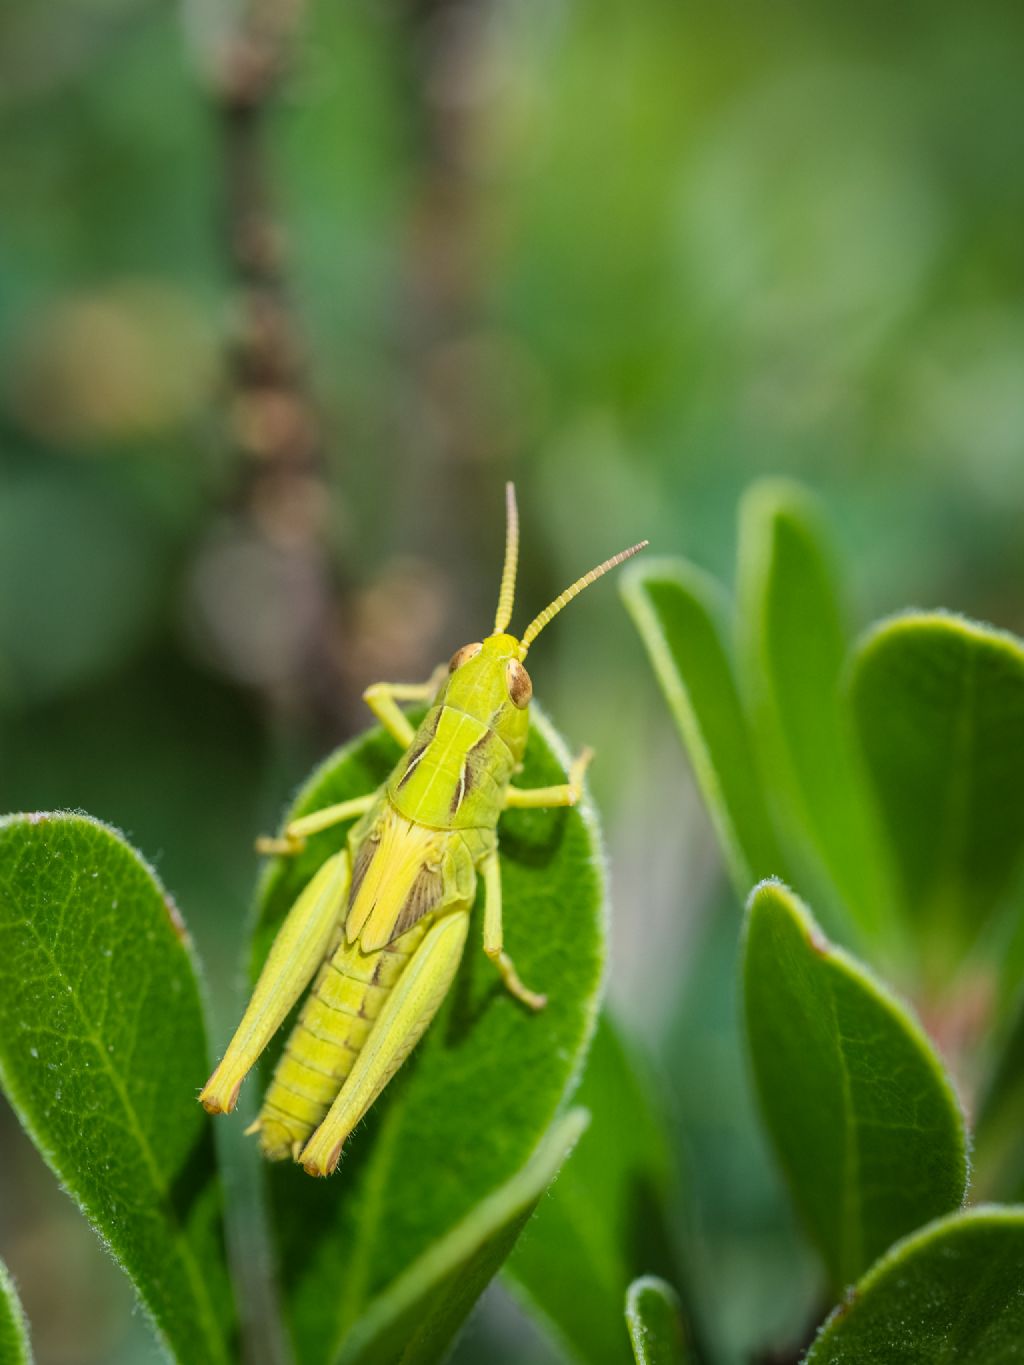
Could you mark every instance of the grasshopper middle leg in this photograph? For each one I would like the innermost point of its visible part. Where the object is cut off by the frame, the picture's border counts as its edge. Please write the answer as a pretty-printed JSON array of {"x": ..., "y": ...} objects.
[
  {"x": 296, "y": 832},
  {"x": 494, "y": 938},
  {"x": 564, "y": 794},
  {"x": 382, "y": 698}
]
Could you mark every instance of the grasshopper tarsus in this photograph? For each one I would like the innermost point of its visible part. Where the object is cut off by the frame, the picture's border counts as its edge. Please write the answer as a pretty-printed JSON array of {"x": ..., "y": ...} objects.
[{"x": 285, "y": 847}]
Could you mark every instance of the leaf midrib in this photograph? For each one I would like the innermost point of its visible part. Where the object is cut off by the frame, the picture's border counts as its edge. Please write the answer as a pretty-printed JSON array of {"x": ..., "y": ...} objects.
[
  {"x": 852, "y": 1231},
  {"x": 182, "y": 1246},
  {"x": 953, "y": 840}
]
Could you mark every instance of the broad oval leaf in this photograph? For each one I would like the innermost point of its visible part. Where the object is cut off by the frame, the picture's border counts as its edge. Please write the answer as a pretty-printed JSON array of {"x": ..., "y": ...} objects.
[
  {"x": 939, "y": 705},
  {"x": 952, "y": 1292},
  {"x": 795, "y": 649},
  {"x": 102, "y": 1048},
  {"x": 863, "y": 1119},
  {"x": 654, "y": 1317},
  {"x": 481, "y": 1089},
  {"x": 682, "y": 615},
  {"x": 416, "y": 1318},
  {"x": 14, "y": 1344},
  {"x": 606, "y": 1220}
]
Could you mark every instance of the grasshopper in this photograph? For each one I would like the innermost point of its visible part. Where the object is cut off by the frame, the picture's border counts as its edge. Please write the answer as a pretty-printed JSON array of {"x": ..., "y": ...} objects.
[{"x": 382, "y": 924}]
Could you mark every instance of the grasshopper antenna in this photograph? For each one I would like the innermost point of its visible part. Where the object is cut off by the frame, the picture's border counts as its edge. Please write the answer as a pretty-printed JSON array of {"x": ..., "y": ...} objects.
[
  {"x": 507, "y": 592},
  {"x": 539, "y": 622}
]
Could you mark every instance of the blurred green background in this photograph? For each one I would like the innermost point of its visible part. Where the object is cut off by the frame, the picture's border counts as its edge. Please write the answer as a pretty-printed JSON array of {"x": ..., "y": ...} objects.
[{"x": 631, "y": 255}]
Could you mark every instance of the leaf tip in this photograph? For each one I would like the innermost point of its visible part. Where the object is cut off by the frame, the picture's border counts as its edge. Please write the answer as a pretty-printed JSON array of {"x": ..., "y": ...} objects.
[{"x": 936, "y": 620}]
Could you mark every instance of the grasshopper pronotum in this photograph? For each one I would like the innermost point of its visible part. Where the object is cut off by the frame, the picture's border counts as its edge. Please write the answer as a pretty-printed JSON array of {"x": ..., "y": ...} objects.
[{"x": 383, "y": 922}]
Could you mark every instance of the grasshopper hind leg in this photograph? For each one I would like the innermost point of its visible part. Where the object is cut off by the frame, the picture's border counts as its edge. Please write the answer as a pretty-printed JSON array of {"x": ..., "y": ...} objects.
[
  {"x": 402, "y": 1018},
  {"x": 311, "y": 926}
]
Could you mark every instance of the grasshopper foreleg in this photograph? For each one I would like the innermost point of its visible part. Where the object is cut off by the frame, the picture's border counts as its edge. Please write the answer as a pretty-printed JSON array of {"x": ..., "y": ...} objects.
[
  {"x": 409, "y": 1008},
  {"x": 382, "y": 698},
  {"x": 565, "y": 794},
  {"x": 293, "y": 840},
  {"x": 298, "y": 950},
  {"x": 494, "y": 936}
]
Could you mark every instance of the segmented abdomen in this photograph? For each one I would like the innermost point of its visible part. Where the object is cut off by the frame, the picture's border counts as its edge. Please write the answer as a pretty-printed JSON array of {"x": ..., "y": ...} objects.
[{"x": 347, "y": 995}]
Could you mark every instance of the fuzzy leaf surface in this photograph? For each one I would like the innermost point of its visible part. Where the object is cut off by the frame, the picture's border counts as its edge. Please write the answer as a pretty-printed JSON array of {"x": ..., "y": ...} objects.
[
  {"x": 416, "y": 1319},
  {"x": 864, "y": 1121},
  {"x": 14, "y": 1345},
  {"x": 950, "y": 1293},
  {"x": 682, "y": 615},
  {"x": 469, "y": 1108},
  {"x": 655, "y": 1321},
  {"x": 939, "y": 705},
  {"x": 606, "y": 1220},
  {"x": 102, "y": 1051}
]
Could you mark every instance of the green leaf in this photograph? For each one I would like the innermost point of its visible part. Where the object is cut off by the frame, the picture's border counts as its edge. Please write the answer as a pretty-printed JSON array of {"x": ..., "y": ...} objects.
[
  {"x": 605, "y": 1221},
  {"x": 682, "y": 616},
  {"x": 14, "y": 1344},
  {"x": 951, "y": 1293},
  {"x": 865, "y": 1124},
  {"x": 998, "y": 1155},
  {"x": 417, "y": 1318},
  {"x": 939, "y": 704},
  {"x": 484, "y": 1085},
  {"x": 655, "y": 1322},
  {"x": 795, "y": 649},
  {"x": 102, "y": 1050}
]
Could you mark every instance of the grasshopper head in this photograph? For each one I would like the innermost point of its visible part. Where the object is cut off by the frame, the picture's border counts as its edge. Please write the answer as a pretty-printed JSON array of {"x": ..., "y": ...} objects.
[{"x": 488, "y": 678}]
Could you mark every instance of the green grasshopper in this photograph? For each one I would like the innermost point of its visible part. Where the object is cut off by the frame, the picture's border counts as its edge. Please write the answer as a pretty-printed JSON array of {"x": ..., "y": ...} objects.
[{"x": 382, "y": 923}]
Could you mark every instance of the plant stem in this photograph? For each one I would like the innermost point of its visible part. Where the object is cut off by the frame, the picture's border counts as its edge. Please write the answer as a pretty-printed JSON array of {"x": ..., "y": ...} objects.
[{"x": 277, "y": 509}]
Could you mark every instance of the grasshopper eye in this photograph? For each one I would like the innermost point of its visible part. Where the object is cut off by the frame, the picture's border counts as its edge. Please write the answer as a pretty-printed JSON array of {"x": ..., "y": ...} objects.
[
  {"x": 462, "y": 655},
  {"x": 517, "y": 680}
]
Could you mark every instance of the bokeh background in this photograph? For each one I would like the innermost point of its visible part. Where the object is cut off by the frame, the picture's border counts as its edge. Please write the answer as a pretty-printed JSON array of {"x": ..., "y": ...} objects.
[{"x": 264, "y": 369}]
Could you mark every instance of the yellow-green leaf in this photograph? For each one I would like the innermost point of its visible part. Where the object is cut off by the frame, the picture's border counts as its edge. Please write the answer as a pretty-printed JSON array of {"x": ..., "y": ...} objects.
[
  {"x": 939, "y": 704},
  {"x": 795, "y": 649},
  {"x": 683, "y": 618}
]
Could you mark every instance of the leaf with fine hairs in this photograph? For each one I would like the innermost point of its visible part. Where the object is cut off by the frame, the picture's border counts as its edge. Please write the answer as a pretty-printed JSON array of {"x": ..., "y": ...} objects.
[
  {"x": 951, "y": 1292},
  {"x": 102, "y": 1051},
  {"x": 14, "y": 1343},
  {"x": 862, "y": 1116},
  {"x": 654, "y": 1317}
]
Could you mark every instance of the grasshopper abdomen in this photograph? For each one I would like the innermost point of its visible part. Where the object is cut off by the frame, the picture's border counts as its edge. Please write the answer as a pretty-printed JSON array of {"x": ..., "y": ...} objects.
[{"x": 333, "y": 1025}]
